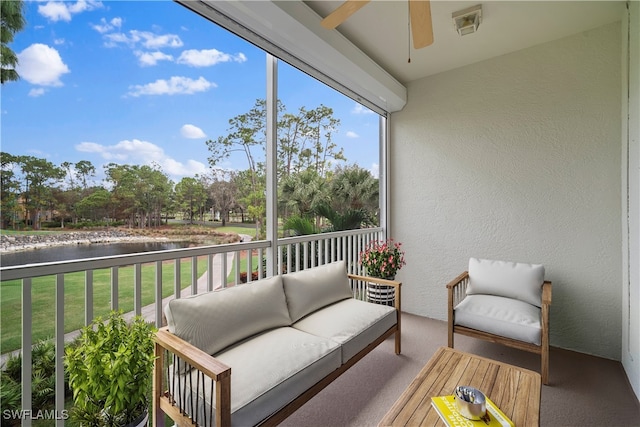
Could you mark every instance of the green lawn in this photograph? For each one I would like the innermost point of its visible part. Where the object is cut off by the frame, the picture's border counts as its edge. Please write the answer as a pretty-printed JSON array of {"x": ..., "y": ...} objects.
[
  {"x": 43, "y": 299},
  {"x": 43, "y": 294}
]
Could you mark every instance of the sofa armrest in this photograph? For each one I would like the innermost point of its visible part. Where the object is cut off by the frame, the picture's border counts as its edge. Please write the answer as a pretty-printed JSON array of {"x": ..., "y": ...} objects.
[
  {"x": 167, "y": 400},
  {"x": 394, "y": 283},
  {"x": 397, "y": 302}
]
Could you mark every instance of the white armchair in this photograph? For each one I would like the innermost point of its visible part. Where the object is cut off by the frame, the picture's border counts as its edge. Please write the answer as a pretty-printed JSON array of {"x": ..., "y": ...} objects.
[{"x": 502, "y": 302}]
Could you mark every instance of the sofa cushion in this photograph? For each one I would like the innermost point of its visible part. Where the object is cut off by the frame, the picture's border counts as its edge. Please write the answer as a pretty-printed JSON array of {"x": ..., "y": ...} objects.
[
  {"x": 352, "y": 323},
  {"x": 314, "y": 288},
  {"x": 502, "y": 316},
  {"x": 218, "y": 319},
  {"x": 506, "y": 279},
  {"x": 269, "y": 371}
]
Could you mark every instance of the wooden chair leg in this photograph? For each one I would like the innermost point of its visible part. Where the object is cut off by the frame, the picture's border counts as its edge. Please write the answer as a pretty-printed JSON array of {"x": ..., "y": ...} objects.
[{"x": 544, "y": 368}]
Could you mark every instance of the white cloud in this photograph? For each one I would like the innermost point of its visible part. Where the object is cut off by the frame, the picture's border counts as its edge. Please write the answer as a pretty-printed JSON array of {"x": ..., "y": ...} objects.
[
  {"x": 105, "y": 27},
  {"x": 360, "y": 109},
  {"x": 375, "y": 170},
  {"x": 208, "y": 57},
  {"x": 175, "y": 85},
  {"x": 58, "y": 41},
  {"x": 192, "y": 132},
  {"x": 151, "y": 58},
  {"x": 41, "y": 65},
  {"x": 352, "y": 134},
  {"x": 62, "y": 11},
  {"x": 145, "y": 39},
  {"x": 156, "y": 41},
  {"x": 144, "y": 152},
  {"x": 36, "y": 92}
]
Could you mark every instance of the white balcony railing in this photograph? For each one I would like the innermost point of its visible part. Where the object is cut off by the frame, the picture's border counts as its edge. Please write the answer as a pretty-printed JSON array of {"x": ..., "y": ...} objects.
[{"x": 293, "y": 254}]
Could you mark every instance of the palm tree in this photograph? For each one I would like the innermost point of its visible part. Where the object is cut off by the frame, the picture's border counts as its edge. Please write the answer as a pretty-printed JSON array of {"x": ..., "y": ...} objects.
[
  {"x": 349, "y": 219},
  {"x": 11, "y": 21}
]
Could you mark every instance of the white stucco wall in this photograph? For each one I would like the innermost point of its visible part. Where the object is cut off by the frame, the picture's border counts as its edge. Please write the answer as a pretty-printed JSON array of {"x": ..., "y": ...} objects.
[
  {"x": 631, "y": 203},
  {"x": 518, "y": 158}
]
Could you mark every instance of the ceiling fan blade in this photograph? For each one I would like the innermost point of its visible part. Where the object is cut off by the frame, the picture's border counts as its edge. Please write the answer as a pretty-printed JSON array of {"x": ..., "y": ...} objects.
[
  {"x": 421, "y": 26},
  {"x": 342, "y": 13}
]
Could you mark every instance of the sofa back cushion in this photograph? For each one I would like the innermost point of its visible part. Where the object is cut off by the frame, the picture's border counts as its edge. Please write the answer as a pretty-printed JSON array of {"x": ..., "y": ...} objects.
[
  {"x": 311, "y": 289},
  {"x": 215, "y": 320},
  {"x": 506, "y": 279}
]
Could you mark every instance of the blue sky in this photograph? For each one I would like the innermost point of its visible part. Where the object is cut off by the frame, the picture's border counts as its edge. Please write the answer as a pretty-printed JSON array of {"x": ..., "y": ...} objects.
[{"x": 136, "y": 82}]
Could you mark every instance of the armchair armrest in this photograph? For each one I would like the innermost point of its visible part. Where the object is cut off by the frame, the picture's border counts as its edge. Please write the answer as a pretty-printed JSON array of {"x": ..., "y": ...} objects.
[
  {"x": 546, "y": 293},
  {"x": 457, "y": 290},
  {"x": 170, "y": 401}
]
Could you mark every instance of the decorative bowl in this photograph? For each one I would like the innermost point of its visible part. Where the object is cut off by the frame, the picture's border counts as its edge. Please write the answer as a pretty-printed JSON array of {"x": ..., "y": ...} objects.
[{"x": 470, "y": 402}]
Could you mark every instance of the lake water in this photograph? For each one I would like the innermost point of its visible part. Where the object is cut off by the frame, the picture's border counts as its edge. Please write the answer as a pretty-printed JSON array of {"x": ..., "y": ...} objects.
[{"x": 62, "y": 253}]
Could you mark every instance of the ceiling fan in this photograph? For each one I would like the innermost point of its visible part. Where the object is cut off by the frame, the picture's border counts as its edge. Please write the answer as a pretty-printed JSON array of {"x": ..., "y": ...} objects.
[{"x": 419, "y": 11}]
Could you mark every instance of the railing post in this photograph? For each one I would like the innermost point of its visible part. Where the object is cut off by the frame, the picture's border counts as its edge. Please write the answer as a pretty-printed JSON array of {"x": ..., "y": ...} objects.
[
  {"x": 114, "y": 288},
  {"x": 59, "y": 350},
  {"x": 137, "y": 288},
  {"x": 88, "y": 297},
  {"x": 26, "y": 348},
  {"x": 158, "y": 289},
  {"x": 271, "y": 160}
]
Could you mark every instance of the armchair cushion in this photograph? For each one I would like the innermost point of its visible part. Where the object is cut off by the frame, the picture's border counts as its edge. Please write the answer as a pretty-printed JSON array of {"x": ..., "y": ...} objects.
[
  {"x": 507, "y": 317},
  {"x": 314, "y": 288},
  {"x": 506, "y": 279}
]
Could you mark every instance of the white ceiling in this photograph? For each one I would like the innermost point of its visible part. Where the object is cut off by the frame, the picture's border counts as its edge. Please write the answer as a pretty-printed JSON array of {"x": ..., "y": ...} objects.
[{"x": 380, "y": 30}]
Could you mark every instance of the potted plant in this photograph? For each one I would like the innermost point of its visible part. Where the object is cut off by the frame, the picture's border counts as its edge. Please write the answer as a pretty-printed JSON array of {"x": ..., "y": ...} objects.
[
  {"x": 110, "y": 370},
  {"x": 383, "y": 259}
]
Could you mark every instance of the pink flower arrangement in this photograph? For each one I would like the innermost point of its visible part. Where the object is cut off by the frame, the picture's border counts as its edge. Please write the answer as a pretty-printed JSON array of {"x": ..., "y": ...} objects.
[{"x": 382, "y": 258}]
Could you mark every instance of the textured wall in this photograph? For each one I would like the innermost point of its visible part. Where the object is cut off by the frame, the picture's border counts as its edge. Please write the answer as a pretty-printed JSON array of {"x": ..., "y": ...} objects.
[{"x": 518, "y": 158}]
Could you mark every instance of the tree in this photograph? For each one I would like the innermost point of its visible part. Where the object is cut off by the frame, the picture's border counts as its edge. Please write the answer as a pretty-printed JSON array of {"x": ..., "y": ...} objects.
[
  {"x": 140, "y": 193},
  {"x": 123, "y": 181},
  {"x": 9, "y": 189},
  {"x": 223, "y": 192},
  {"x": 353, "y": 187},
  {"x": 76, "y": 175},
  {"x": 191, "y": 197},
  {"x": 11, "y": 22},
  {"x": 305, "y": 141},
  {"x": 83, "y": 170},
  {"x": 40, "y": 176},
  {"x": 95, "y": 205},
  {"x": 302, "y": 192},
  {"x": 246, "y": 132},
  {"x": 322, "y": 150},
  {"x": 347, "y": 219}
]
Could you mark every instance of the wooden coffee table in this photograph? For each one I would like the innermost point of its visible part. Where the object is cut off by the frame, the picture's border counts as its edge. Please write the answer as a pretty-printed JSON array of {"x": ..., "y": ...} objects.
[{"x": 514, "y": 390}]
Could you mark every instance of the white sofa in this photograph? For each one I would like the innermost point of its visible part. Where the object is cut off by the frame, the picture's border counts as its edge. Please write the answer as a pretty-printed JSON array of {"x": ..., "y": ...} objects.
[{"x": 269, "y": 346}]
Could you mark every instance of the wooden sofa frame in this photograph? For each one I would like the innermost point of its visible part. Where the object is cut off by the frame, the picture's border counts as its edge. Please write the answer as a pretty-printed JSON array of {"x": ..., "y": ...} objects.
[
  {"x": 166, "y": 342},
  {"x": 457, "y": 290}
]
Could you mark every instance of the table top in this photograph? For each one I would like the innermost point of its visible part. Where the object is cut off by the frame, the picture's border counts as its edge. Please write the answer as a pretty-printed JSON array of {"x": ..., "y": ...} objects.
[{"x": 449, "y": 368}]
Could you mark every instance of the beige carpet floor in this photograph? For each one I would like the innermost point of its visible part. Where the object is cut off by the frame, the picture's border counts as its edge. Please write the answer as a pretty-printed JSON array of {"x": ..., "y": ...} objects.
[{"x": 583, "y": 390}]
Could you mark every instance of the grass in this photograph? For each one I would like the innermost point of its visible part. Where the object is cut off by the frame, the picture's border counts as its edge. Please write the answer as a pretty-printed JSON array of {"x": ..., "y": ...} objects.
[
  {"x": 30, "y": 232},
  {"x": 43, "y": 293},
  {"x": 43, "y": 299}
]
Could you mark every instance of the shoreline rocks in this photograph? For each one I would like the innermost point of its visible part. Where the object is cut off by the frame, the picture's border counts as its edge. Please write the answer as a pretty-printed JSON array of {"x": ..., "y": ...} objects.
[{"x": 21, "y": 242}]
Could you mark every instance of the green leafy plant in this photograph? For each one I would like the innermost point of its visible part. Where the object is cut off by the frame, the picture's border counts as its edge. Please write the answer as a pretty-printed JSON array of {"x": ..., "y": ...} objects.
[
  {"x": 43, "y": 380},
  {"x": 110, "y": 369},
  {"x": 382, "y": 258}
]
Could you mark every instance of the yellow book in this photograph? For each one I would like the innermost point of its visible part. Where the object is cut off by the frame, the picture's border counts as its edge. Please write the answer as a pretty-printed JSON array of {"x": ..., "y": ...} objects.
[{"x": 446, "y": 408}]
